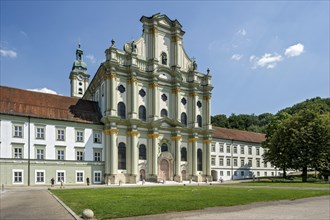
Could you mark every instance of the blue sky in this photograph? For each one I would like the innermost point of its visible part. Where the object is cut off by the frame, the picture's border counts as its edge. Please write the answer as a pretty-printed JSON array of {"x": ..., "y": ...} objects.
[{"x": 263, "y": 55}]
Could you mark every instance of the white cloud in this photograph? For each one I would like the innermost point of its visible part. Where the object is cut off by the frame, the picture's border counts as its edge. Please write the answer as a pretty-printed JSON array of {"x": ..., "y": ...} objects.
[
  {"x": 44, "y": 90},
  {"x": 241, "y": 32},
  {"x": 236, "y": 57},
  {"x": 267, "y": 60},
  {"x": 294, "y": 50},
  {"x": 91, "y": 58},
  {"x": 8, "y": 53},
  {"x": 23, "y": 33}
]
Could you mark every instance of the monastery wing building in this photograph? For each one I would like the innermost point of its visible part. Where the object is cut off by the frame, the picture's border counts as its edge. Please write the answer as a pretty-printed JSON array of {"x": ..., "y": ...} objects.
[{"x": 145, "y": 115}]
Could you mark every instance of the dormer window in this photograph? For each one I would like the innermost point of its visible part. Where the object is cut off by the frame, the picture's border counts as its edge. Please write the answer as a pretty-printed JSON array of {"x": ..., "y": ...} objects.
[{"x": 164, "y": 58}]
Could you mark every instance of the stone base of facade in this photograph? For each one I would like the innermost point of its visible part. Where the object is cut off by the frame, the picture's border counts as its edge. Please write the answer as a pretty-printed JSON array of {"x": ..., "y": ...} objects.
[
  {"x": 132, "y": 178},
  {"x": 152, "y": 178},
  {"x": 178, "y": 178}
]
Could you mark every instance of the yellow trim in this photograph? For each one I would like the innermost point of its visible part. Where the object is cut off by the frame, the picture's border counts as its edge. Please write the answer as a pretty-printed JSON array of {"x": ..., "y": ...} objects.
[
  {"x": 153, "y": 30},
  {"x": 193, "y": 94},
  {"x": 131, "y": 80},
  {"x": 132, "y": 133},
  {"x": 193, "y": 139},
  {"x": 176, "y": 90},
  {"x": 207, "y": 98},
  {"x": 207, "y": 141},
  {"x": 153, "y": 136},
  {"x": 153, "y": 85},
  {"x": 111, "y": 131},
  {"x": 176, "y": 138}
]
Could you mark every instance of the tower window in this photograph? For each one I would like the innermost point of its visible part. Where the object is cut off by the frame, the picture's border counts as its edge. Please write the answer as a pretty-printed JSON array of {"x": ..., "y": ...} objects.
[
  {"x": 142, "y": 93},
  {"x": 164, "y": 148},
  {"x": 199, "y": 121},
  {"x": 80, "y": 83},
  {"x": 121, "y": 89},
  {"x": 142, "y": 113},
  {"x": 164, "y": 97},
  {"x": 163, "y": 113},
  {"x": 183, "y": 101},
  {"x": 184, "y": 118},
  {"x": 183, "y": 154},
  {"x": 199, "y": 160},
  {"x": 164, "y": 58},
  {"x": 199, "y": 104},
  {"x": 142, "y": 152},
  {"x": 80, "y": 91},
  {"x": 121, "y": 110},
  {"x": 122, "y": 156}
]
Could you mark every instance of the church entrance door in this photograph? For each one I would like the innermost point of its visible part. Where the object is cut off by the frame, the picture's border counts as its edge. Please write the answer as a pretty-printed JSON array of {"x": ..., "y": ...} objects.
[{"x": 164, "y": 170}]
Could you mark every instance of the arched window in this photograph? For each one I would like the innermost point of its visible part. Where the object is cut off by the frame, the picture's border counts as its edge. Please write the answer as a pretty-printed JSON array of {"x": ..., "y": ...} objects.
[
  {"x": 184, "y": 118},
  {"x": 199, "y": 121},
  {"x": 183, "y": 154},
  {"x": 163, "y": 113},
  {"x": 199, "y": 160},
  {"x": 142, "y": 152},
  {"x": 122, "y": 156},
  {"x": 164, "y": 58},
  {"x": 121, "y": 110},
  {"x": 142, "y": 113},
  {"x": 80, "y": 91},
  {"x": 164, "y": 147}
]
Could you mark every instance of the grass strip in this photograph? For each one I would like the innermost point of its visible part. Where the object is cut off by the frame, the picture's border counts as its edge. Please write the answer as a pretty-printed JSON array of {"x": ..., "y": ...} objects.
[{"x": 119, "y": 202}]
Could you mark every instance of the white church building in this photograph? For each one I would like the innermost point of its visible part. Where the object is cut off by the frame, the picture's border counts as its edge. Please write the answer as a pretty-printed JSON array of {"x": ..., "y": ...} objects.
[{"x": 144, "y": 115}]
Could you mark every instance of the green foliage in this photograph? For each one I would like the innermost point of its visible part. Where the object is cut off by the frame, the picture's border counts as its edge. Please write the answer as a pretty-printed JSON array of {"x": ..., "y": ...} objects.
[
  {"x": 134, "y": 201},
  {"x": 299, "y": 137}
]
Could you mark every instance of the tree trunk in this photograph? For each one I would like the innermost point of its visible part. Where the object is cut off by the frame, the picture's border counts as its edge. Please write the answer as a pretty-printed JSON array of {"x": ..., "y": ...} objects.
[
  {"x": 284, "y": 172},
  {"x": 304, "y": 174}
]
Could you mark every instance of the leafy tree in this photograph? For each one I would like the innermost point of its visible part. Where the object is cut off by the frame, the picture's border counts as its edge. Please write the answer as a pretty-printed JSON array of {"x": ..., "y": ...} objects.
[
  {"x": 299, "y": 141},
  {"x": 220, "y": 121}
]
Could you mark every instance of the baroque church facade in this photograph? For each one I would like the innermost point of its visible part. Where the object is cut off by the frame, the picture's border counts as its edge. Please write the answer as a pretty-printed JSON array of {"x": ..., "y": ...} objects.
[{"x": 145, "y": 115}]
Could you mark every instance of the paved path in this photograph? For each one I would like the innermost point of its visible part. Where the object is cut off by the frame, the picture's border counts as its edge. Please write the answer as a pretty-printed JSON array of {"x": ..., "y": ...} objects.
[
  {"x": 316, "y": 208},
  {"x": 27, "y": 203}
]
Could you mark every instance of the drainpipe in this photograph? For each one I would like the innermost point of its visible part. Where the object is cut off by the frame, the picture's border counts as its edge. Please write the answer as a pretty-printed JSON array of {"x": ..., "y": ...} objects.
[{"x": 29, "y": 121}]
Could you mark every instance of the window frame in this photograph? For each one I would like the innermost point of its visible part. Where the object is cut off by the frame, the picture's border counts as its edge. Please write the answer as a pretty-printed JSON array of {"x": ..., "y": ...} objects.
[
  {"x": 40, "y": 132},
  {"x": 97, "y": 137},
  {"x": 14, "y": 171},
  {"x": 81, "y": 179},
  {"x": 18, "y": 133},
  {"x": 79, "y": 136},
  {"x": 97, "y": 172},
  {"x": 36, "y": 176}
]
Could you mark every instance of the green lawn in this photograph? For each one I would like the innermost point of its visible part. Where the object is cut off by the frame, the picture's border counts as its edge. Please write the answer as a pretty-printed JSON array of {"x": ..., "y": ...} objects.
[
  {"x": 286, "y": 184},
  {"x": 123, "y": 201}
]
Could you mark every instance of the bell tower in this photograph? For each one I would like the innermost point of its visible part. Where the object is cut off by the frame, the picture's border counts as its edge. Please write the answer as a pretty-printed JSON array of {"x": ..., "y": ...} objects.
[{"x": 79, "y": 77}]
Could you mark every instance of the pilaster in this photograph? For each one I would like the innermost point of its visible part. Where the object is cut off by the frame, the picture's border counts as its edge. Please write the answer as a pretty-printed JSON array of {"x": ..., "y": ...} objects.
[
  {"x": 153, "y": 143},
  {"x": 176, "y": 142}
]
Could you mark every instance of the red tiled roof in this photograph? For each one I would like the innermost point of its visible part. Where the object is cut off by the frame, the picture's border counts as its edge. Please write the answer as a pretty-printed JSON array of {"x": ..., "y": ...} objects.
[
  {"x": 42, "y": 105},
  {"x": 238, "y": 135}
]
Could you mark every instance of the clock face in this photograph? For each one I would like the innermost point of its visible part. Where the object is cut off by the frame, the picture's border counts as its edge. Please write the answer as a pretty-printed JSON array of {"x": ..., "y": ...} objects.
[{"x": 79, "y": 77}]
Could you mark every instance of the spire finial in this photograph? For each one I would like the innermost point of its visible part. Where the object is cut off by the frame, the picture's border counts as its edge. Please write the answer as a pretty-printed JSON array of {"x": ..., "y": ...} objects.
[{"x": 112, "y": 42}]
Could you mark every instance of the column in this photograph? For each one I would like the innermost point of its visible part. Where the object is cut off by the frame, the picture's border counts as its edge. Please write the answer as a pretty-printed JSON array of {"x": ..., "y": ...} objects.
[
  {"x": 192, "y": 107},
  {"x": 154, "y": 105},
  {"x": 176, "y": 103},
  {"x": 133, "y": 155},
  {"x": 112, "y": 149},
  {"x": 107, "y": 159},
  {"x": 206, "y": 111},
  {"x": 132, "y": 97},
  {"x": 176, "y": 142},
  {"x": 153, "y": 143},
  {"x": 193, "y": 148},
  {"x": 207, "y": 158},
  {"x": 111, "y": 94}
]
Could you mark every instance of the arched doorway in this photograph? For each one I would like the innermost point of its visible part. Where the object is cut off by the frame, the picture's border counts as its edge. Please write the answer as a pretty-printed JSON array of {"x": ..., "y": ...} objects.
[
  {"x": 142, "y": 174},
  {"x": 164, "y": 167},
  {"x": 184, "y": 175},
  {"x": 214, "y": 175}
]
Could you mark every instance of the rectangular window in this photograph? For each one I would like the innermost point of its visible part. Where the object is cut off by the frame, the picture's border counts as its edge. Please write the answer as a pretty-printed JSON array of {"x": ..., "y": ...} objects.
[
  {"x": 250, "y": 150},
  {"x": 221, "y": 173},
  {"x": 242, "y": 163},
  {"x": 235, "y": 162},
  {"x": 242, "y": 150},
  {"x": 221, "y": 148},
  {"x": 242, "y": 174},
  {"x": 258, "y": 173},
  {"x": 79, "y": 155},
  {"x": 235, "y": 149},
  {"x": 272, "y": 173},
  {"x": 79, "y": 176},
  {"x": 258, "y": 163},
  {"x": 97, "y": 137},
  {"x": 97, "y": 156},
  {"x": 221, "y": 161},
  {"x": 265, "y": 164},
  {"x": 228, "y": 149},
  {"x": 257, "y": 151},
  {"x": 60, "y": 135},
  {"x": 60, "y": 175},
  {"x": 79, "y": 136},
  {"x": 18, "y": 152},
  {"x": 235, "y": 173},
  {"x": 213, "y": 161},
  {"x": 18, "y": 131},
  {"x": 97, "y": 176},
  {"x": 228, "y": 162},
  {"x": 228, "y": 173},
  {"x": 40, "y": 176},
  {"x": 17, "y": 176},
  {"x": 213, "y": 148},
  {"x": 265, "y": 173},
  {"x": 40, "y": 154},
  {"x": 40, "y": 133},
  {"x": 250, "y": 163},
  {"x": 61, "y": 154}
]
